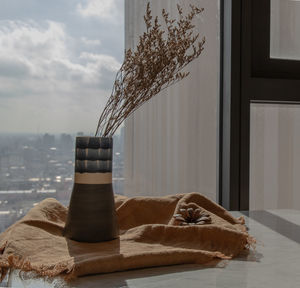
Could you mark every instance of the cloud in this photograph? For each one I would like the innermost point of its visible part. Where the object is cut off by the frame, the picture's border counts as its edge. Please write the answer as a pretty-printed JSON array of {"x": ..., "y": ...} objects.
[
  {"x": 105, "y": 65},
  {"x": 42, "y": 52},
  {"x": 101, "y": 9},
  {"x": 11, "y": 67},
  {"x": 45, "y": 83},
  {"x": 90, "y": 42},
  {"x": 30, "y": 44},
  {"x": 99, "y": 61}
]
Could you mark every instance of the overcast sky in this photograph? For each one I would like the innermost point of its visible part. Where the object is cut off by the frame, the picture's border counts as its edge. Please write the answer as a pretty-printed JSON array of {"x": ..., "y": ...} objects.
[{"x": 58, "y": 61}]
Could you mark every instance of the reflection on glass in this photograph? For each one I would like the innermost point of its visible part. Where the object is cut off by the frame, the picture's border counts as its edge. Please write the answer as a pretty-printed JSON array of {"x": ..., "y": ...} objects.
[
  {"x": 274, "y": 156},
  {"x": 285, "y": 29}
]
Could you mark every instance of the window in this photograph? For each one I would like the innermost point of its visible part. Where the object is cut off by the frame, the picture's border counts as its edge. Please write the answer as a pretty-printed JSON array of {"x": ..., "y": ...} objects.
[
  {"x": 261, "y": 69},
  {"x": 58, "y": 61}
]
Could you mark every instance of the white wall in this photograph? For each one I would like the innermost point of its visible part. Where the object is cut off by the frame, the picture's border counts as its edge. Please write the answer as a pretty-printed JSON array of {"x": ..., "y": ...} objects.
[{"x": 171, "y": 142}]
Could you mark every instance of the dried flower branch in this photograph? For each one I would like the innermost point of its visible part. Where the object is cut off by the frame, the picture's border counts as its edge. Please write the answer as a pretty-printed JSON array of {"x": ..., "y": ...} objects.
[{"x": 156, "y": 64}]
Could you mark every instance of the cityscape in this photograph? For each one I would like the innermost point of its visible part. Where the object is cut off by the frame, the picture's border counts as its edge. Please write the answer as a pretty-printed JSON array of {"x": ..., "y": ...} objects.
[{"x": 38, "y": 166}]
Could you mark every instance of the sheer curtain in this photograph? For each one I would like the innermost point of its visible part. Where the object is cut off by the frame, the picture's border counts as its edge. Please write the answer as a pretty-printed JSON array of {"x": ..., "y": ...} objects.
[
  {"x": 274, "y": 156},
  {"x": 171, "y": 142}
]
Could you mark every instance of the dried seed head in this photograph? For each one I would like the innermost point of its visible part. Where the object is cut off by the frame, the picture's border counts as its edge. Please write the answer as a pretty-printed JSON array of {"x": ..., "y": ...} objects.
[
  {"x": 156, "y": 63},
  {"x": 192, "y": 217}
]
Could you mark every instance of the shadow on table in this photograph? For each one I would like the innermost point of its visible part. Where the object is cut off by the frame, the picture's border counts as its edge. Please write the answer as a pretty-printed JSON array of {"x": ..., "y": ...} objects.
[
  {"x": 82, "y": 254},
  {"x": 249, "y": 256},
  {"x": 127, "y": 278},
  {"x": 130, "y": 278},
  {"x": 276, "y": 223},
  {"x": 86, "y": 254}
]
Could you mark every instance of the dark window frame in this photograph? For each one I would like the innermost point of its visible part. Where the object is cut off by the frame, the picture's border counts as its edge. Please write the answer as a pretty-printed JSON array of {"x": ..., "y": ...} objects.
[
  {"x": 263, "y": 65},
  {"x": 248, "y": 75}
]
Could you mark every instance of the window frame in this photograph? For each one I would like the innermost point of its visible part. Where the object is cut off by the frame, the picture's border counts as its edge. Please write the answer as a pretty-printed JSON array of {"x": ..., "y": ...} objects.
[{"x": 249, "y": 75}]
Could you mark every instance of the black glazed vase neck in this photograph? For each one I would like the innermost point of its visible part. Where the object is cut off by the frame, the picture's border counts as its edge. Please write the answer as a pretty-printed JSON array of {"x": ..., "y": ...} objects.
[{"x": 93, "y": 155}]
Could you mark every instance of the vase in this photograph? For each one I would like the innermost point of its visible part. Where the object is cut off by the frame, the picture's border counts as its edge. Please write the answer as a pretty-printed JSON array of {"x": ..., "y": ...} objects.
[{"x": 92, "y": 215}]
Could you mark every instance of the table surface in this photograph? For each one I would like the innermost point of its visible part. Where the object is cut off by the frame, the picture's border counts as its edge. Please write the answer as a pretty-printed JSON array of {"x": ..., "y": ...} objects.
[{"x": 274, "y": 263}]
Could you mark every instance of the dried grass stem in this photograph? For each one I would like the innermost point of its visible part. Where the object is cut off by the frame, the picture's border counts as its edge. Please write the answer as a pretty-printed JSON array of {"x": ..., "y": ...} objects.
[{"x": 155, "y": 64}]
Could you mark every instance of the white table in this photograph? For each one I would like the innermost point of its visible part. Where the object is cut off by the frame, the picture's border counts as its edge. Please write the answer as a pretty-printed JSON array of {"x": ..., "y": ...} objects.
[{"x": 275, "y": 263}]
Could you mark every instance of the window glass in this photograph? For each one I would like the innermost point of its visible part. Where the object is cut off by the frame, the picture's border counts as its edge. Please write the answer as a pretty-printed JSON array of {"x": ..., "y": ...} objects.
[
  {"x": 58, "y": 61},
  {"x": 285, "y": 29}
]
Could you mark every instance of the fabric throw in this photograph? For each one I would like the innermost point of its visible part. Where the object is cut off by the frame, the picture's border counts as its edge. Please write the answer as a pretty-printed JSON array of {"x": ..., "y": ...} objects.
[{"x": 150, "y": 235}]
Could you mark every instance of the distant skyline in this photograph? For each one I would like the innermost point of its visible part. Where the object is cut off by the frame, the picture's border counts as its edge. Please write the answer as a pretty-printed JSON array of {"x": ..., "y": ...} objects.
[{"x": 58, "y": 61}]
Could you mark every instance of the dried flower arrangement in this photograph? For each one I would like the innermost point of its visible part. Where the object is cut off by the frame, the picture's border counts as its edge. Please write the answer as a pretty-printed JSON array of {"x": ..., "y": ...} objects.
[
  {"x": 156, "y": 64},
  {"x": 192, "y": 216}
]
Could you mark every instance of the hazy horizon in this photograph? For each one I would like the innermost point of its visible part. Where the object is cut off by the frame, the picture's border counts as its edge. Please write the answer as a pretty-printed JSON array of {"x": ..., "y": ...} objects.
[
  {"x": 58, "y": 61},
  {"x": 85, "y": 133}
]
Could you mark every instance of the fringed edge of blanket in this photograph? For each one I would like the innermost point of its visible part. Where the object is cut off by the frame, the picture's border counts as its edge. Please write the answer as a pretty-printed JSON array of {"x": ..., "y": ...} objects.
[{"x": 64, "y": 268}]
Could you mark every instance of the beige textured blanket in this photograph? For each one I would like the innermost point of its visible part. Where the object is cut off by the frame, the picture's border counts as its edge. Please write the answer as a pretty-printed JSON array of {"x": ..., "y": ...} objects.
[{"x": 148, "y": 238}]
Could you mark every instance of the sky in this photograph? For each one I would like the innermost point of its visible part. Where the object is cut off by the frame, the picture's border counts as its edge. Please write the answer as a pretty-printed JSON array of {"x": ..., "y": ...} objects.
[{"x": 58, "y": 61}]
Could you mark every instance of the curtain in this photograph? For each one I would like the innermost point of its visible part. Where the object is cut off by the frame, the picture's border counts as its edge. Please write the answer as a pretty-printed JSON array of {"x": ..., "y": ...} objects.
[{"x": 171, "y": 142}]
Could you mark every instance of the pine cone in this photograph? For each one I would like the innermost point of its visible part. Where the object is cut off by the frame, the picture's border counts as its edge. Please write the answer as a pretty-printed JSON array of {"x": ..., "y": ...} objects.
[{"x": 192, "y": 216}]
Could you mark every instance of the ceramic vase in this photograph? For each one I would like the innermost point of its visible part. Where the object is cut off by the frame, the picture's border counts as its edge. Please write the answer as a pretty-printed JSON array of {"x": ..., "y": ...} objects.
[{"x": 92, "y": 216}]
